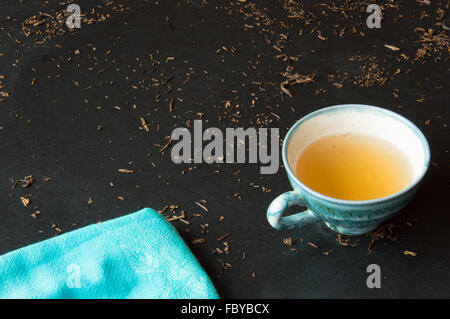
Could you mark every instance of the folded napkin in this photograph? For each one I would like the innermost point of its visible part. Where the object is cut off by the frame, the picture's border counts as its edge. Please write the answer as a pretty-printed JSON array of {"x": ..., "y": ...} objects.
[{"x": 135, "y": 256}]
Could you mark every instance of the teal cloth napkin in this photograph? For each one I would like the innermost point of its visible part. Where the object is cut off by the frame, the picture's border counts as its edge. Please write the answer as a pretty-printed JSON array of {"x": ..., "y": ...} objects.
[{"x": 135, "y": 256}]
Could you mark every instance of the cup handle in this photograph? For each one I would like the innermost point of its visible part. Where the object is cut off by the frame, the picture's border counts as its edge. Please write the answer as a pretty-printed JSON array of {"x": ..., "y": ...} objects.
[{"x": 283, "y": 202}]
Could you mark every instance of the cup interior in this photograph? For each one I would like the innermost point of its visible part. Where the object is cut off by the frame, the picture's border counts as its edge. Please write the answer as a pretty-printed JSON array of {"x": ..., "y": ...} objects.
[{"x": 356, "y": 118}]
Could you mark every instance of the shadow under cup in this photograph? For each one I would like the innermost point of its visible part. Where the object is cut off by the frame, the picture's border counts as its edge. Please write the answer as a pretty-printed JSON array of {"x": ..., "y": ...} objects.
[{"x": 345, "y": 216}]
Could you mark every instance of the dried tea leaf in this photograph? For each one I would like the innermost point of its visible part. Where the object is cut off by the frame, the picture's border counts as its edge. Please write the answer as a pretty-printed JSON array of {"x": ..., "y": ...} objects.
[
  {"x": 126, "y": 171},
  {"x": 409, "y": 253},
  {"x": 391, "y": 47},
  {"x": 181, "y": 216},
  {"x": 345, "y": 241},
  {"x": 145, "y": 125},
  {"x": 223, "y": 236},
  {"x": 198, "y": 241},
  {"x": 202, "y": 206},
  {"x": 312, "y": 244},
  {"x": 25, "y": 201}
]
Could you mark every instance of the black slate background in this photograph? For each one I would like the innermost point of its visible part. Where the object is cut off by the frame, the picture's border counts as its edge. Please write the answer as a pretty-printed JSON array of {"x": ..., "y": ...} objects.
[{"x": 48, "y": 130}]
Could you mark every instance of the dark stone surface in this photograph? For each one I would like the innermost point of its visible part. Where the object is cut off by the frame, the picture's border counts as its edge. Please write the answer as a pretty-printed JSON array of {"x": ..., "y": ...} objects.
[{"x": 49, "y": 130}]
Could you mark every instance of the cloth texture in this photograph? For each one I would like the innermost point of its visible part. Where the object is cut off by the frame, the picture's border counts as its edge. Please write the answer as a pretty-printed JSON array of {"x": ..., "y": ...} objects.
[{"x": 139, "y": 255}]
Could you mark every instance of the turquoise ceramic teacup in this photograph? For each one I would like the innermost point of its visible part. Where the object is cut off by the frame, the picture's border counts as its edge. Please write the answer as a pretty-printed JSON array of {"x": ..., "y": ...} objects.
[{"x": 345, "y": 216}]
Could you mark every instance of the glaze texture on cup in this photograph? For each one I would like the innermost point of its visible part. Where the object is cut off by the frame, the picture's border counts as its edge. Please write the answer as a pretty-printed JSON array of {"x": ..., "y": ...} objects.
[{"x": 344, "y": 216}]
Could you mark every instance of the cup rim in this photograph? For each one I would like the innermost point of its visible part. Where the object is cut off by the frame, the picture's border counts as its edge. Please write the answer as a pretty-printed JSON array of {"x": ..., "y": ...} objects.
[{"x": 395, "y": 115}]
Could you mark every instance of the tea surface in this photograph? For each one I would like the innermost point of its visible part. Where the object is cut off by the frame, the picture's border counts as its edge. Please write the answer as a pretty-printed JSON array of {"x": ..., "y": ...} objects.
[{"x": 354, "y": 166}]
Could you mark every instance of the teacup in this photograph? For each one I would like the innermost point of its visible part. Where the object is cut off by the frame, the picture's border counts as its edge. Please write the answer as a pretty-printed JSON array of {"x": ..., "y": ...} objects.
[{"x": 347, "y": 217}]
